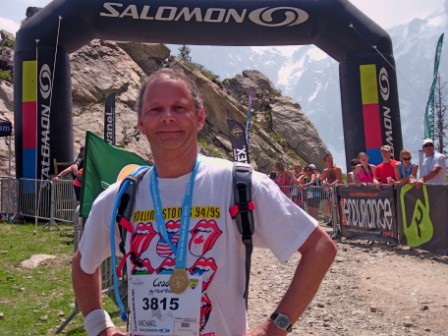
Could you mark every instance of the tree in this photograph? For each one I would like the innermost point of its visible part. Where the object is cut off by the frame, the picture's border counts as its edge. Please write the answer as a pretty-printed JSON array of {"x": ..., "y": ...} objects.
[
  {"x": 440, "y": 113},
  {"x": 185, "y": 53}
]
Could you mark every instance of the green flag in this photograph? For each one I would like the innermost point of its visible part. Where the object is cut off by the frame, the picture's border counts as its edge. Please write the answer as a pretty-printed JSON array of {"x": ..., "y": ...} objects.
[
  {"x": 430, "y": 109},
  {"x": 102, "y": 165}
]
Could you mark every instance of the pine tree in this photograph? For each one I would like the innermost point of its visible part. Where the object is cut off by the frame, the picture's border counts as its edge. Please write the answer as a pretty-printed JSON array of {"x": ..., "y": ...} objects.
[{"x": 185, "y": 53}]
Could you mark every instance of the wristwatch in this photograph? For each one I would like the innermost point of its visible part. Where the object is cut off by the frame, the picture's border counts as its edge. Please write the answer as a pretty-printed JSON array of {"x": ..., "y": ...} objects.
[{"x": 281, "y": 321}]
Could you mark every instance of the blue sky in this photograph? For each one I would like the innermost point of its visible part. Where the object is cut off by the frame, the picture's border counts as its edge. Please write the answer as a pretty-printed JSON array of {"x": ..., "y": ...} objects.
[{"x": 387, "y": 13}]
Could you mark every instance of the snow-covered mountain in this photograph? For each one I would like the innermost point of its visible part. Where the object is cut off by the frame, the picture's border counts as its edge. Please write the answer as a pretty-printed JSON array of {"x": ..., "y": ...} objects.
[{"x": 311, "y": 77}]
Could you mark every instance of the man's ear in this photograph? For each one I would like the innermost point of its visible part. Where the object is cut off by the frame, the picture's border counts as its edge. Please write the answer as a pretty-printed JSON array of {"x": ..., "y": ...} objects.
[{"x": 201, "y": 118}]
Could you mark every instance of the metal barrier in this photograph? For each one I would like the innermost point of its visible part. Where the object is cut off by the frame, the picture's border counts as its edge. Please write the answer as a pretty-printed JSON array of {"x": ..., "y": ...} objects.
[
  {"x": 64, "y": 201},
  {"x": 35, "y": 198},
  {"x": 316, "y": 201},
  {"x": 8, "y": 197},
  {"x": 43, "y": 199}
]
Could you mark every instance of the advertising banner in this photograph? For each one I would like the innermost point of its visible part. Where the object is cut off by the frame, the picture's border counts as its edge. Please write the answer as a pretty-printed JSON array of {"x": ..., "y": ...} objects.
[
  {"x": 368, "y": 213},
  {"x": 5, "y": 128},
  {"x": 109, "y": 119},
  {"x": 238, "y": 139},
  {"x": 422, "y": 217}
]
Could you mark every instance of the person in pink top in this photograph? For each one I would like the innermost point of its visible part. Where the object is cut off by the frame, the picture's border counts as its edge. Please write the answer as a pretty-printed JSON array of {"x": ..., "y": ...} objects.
[
  {"x": 385, "y": 171},
  {"x": 283, "y": 179},
  {"x": 365, "y": 172}
]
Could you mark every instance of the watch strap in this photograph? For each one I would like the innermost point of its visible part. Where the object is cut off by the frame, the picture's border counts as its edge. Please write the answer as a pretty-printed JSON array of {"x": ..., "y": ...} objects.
[{"x": 274, "y": 317}]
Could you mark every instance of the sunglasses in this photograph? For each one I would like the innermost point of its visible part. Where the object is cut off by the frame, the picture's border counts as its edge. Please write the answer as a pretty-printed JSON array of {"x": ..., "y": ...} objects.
[
  {"x": 406, "y": 159},
  {"x": 428, "y": 145},
  {"x": 307, "y": 170}
]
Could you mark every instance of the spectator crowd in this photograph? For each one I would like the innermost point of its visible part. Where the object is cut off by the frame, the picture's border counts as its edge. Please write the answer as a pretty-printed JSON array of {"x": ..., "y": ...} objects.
[{"x": 307, "y": 187}]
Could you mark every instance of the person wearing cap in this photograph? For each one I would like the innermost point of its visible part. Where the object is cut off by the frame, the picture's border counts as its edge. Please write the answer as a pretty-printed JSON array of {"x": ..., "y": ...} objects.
[
  {"x": 433, "y": 166},
  {"x": 314, "y": 169},
  {"x": 385, "y": 172}
]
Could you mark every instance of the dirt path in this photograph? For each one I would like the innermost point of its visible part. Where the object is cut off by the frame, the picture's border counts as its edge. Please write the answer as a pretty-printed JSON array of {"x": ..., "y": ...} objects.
[{"x": 370, "y": 290}]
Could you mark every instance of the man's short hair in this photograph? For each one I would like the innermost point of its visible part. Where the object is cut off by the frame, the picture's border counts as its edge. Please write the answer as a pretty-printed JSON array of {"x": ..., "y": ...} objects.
[
  {"x": 171, "y": 74},
  {"x": 327, "y": 155},
  {"x": 386, "y": 148}
]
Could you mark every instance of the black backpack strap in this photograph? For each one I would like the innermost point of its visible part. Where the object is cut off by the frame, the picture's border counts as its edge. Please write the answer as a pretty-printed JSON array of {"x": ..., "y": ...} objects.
[
  {"x": 242, "y": 211},
  {"x": 126, "y": 206}
]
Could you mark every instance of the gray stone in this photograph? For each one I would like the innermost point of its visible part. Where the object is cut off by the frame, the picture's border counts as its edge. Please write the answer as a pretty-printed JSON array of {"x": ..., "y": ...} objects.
[
  {"x": 35, "y": 260},
  {"x": 6, "y": 36},
  {"x": 148, "y": 56}
]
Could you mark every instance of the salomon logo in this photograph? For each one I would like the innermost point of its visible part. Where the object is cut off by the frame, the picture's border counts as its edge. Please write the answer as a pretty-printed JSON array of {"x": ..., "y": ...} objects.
[
  {"x": 45, "y": 81},
  {"x": 383, "y": 79},
  {"x": 267, "y": 17},
  {"x": 292, "y": 16}
]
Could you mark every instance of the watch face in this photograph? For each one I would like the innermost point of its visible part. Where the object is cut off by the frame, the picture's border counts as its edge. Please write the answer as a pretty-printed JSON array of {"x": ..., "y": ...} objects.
[{"x": 282, "y": 321}]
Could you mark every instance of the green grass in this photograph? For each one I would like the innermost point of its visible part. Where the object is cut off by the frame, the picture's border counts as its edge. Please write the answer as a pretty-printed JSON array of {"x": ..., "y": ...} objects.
[{"x": 37, "y": 301}]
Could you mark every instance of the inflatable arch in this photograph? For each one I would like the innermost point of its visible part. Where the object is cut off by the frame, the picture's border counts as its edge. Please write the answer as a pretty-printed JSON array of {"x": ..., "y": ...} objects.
[{"x": 368, "y": 84}]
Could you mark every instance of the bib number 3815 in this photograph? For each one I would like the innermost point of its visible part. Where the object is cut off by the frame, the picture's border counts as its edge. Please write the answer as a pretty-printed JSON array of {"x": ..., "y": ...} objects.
[
  {"x": 162, "y": 304},
  {"x": 155, "y": 310}
]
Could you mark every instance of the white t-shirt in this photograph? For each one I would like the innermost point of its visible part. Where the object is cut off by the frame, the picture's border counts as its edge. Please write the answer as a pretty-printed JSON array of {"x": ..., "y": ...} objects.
[
  {"x": 214, "y": 245},
  {"x": 437, "y": 160}
]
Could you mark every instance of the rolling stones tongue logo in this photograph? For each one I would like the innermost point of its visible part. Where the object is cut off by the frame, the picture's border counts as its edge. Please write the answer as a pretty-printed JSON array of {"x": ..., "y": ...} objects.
[
  {"x": 203, "y": 237},
  {"x": 163, "y": 248},
  {"x": 166, "y": 267},
  {"x": 205, "y": 268},
  {"x": 206, "y": 309},
  {"x": 140, "y": 240},
  {"x": 146, "y": 268}
]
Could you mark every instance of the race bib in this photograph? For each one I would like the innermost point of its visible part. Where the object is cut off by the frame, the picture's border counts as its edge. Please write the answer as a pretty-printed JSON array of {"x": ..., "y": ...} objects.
[{"x": 155, "y": 310}]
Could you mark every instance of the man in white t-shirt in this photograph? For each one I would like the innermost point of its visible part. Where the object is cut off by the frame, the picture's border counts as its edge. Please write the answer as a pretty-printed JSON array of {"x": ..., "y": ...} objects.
[
  {"x": 185, "y": 258},
  {"x": 433, "y": 169}
]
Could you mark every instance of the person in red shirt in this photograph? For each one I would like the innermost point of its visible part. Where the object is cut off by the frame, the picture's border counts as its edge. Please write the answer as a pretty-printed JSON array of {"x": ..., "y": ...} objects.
[{"x": 384, "y": 172}]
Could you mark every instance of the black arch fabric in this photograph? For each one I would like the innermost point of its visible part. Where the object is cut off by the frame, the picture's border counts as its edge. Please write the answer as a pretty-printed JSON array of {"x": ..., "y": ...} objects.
[{"x": 368, "y": 83}]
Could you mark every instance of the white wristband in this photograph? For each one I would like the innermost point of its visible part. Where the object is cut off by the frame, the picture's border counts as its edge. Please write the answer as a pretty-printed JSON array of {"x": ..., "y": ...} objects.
[{"x": 96, "y": 321}]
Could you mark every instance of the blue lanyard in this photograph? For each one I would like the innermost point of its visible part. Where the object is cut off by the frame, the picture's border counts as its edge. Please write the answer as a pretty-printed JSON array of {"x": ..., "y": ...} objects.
[{"x": 181, "y": 250}]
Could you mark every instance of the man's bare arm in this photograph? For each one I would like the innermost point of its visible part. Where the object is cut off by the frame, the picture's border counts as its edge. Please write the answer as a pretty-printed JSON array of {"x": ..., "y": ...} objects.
[
  {"x": 87, "y": 288},
  {"x": 318, "y": 253},
  {"x": 339, "y": 178}
]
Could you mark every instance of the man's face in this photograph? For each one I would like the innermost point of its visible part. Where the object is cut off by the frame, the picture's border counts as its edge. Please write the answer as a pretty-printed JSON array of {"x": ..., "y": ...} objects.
[
  {"x": 386, "y": 155},
  {"x": 428, "y": 149},
  {"x": 168, "y": 117},
  {"x": 329, "y": 161}
]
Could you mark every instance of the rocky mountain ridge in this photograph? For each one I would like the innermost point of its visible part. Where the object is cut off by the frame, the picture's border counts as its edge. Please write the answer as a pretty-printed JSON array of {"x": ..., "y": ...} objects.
[{"x": 279, "y": 128}]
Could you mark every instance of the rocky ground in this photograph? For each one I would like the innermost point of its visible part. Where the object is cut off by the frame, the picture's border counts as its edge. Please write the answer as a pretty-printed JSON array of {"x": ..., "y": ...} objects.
[{"x": 371, "y": 289}]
